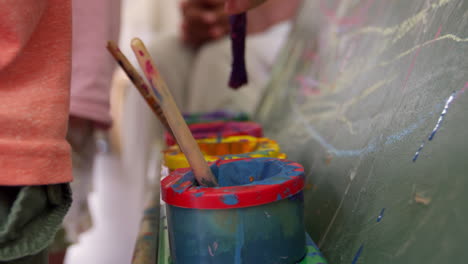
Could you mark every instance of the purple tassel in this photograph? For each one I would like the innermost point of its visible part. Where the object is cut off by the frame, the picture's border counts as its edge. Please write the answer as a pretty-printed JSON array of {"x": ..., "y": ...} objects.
[{"x": 238, "y": 33}]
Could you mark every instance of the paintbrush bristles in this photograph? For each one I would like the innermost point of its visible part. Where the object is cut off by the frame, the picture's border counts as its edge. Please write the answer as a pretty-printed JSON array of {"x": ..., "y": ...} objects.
[
  {"x": 138, "y": 82},
  {"x": 184, "y": 137}
]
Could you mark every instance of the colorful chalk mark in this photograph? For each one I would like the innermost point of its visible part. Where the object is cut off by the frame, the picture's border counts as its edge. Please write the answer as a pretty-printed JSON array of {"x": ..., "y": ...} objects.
[
  {"x": 230, "y": 199},
  {"x": 448, "y": 102},
  {"x": 358, "y": 254},
  {"x": 211, "y": 250},
  {"x": 379, "y": 218},
  {"x": 418, "y": 198},
  {"x": 308, "y": 86},
  {"x": 355, "y": 19}
]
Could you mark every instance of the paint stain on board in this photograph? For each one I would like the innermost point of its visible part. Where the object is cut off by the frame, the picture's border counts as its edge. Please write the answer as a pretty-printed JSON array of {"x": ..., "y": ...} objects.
[
  {"x": 418, "y": 198},
  {"x": 436, "y": 128},
  {"x": 230, "y": 199},
  {"x": 358, "y": 254},
  {"x": 212, "y": 248},
  {"x": 149, "y": 68},
  {"x": 153, "y": 87},
  {"x": 381, "y": 215}
]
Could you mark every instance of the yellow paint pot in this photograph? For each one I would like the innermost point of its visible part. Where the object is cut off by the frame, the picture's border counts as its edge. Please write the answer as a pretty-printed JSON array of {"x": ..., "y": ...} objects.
[{"x": 234, "y": 147}]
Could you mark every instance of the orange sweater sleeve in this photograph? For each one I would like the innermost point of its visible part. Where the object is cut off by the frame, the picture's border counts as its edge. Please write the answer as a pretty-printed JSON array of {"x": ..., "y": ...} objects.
[{"x": 35, "y": 47}]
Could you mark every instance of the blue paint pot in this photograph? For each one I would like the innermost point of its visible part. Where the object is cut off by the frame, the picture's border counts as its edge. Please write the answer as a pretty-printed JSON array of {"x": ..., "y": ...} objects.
[{"x": 255, "y": 216}]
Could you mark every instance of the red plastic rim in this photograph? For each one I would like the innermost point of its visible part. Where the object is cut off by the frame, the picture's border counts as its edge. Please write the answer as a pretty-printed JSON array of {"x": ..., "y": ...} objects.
[
  {"x": 221, "y": 129},
  {"x": 267, "y": 180}
]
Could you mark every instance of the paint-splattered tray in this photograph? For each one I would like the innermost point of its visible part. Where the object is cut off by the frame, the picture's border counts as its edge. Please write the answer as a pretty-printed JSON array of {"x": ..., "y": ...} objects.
[{"x": 313, "y": 255}]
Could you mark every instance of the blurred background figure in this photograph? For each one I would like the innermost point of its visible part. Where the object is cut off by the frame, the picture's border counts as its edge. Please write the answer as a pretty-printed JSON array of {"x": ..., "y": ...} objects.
[{"x": 94, "y": 23}]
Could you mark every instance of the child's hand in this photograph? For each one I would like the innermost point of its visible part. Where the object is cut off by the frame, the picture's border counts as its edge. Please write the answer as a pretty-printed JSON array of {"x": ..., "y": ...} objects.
[{"x": 239, "y": 6}]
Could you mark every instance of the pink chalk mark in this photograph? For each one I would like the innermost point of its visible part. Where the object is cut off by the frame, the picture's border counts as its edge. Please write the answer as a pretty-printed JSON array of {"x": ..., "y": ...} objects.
[
  {"x": 413, "y": 61},
  {"x": 215, "y": 247},
  {"x": 309, "y": 86},
  {"x": 438, "y": 32},
  {"x": 464, "y": 88},
  {"x": 411, "y": 68},
  {"x": 355, "y": 19},
  {"x": 310, "y": 55},
  {"x": 307, "y": 81},
  {"x": 211, "y": 252}
]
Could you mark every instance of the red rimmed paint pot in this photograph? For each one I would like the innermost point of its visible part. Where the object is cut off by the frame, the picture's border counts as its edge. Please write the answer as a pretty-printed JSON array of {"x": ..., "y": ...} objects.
[
  {"x": 255, "y": 216},
  {"x": 220, "y": 130}
]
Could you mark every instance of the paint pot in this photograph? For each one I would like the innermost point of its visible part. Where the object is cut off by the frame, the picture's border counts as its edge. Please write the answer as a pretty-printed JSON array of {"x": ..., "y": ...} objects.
[
  {"x": 221, "y": 115},
  {"x": 234, "y": 147},
  {"x": 220, "y": 129},
  {"x": 255, "y": 216}
]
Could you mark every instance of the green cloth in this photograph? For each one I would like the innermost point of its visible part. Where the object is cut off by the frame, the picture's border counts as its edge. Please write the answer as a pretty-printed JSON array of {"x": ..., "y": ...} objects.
[
  {"x": 40, "y": 258},
  {"x": 29, "y": 218}
]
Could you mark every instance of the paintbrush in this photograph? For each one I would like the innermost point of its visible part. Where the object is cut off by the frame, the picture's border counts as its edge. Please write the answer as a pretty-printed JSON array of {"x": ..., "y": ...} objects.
[
  {"x": 138, "y": 82},
  {"x": 184, "y": 137}
]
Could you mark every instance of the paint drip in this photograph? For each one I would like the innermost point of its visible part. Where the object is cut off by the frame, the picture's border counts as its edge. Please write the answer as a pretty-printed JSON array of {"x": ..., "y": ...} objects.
[
  {"x": 448, "y": 102},
  {"x": 238, "y": 33},
  {"x": 379, "y": 218},
  {"x": 358, "y": 254}
]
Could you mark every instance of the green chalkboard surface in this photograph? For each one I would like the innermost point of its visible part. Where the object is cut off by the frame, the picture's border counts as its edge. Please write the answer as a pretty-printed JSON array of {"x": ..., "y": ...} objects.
[{"x": 370, "y": 97}]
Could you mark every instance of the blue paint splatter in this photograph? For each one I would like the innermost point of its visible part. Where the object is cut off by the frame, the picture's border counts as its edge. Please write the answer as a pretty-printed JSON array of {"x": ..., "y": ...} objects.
[
  {"x": 278, "y": 197},
  {"x": 379, "y": 218},
  {"x": 199, "y": 194},
  {"x": 158, "y": 95},
  {"x": 264, "y": 171},
  {"x": 416, "y": 155},
  {"x": 181, "y": 185},
  {"x": 448, "y": 102},
  {"x": 230, "y": 199},
  {"x": 442, "y": 115},
  {"x": 358, "y": 254}
]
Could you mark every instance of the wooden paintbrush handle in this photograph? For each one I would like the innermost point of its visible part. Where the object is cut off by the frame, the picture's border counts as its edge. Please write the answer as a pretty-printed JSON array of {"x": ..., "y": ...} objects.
[
  {"x": 138, "y": 82},
  {"x": 184, "y": 137}
]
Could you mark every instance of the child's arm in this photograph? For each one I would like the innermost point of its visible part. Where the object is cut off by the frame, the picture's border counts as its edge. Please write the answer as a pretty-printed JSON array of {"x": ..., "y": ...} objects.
[
  {"x": 35, "y": 46},
  {"x": 18, "y": 19}
]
